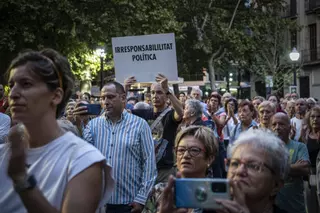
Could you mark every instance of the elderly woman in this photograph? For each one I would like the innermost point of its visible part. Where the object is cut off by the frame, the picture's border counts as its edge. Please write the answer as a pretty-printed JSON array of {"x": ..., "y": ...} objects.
[
  {"x": 195, "y": 149},
  {"x": 192, "y": 113},
  {"x": 266, "y": 110},
  {"x": 257, "y": 167}
]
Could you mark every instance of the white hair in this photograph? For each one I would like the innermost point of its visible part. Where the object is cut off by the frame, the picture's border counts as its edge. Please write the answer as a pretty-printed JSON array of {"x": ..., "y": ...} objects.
[
  {"x": 196, "y": 106},
  {"x": 269, "y": 143},
  {"x": 197, "y": 90}
]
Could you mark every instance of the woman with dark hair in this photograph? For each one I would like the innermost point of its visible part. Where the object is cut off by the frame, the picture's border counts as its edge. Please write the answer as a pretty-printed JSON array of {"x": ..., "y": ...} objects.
[
  {"x": 276, "y": 101},
  {"x": 44, "y": 168},
  {"x": 231, "y": 107}
]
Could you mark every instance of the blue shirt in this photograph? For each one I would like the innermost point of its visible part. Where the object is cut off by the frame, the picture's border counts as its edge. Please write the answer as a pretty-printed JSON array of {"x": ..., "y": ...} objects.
[
  {"x": 290, "y": 197},
  {"x": 128, "y": 147},
  {"x": 235, "y": 132},
  {"x": 5, "y": 123}
]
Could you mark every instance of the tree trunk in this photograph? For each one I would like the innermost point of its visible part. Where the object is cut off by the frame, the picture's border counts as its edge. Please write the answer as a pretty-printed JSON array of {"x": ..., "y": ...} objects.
[{"x": 212, "y": 76}]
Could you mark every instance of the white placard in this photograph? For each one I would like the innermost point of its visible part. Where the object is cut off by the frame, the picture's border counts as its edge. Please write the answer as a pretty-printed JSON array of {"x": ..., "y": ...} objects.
[{"x": 144, "y": 57}]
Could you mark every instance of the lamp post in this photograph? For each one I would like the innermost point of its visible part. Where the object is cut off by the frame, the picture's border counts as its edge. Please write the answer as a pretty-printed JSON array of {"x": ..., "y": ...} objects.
[
  {"x": 294, "y": 56},
  {"x": 102, "y": 55}
]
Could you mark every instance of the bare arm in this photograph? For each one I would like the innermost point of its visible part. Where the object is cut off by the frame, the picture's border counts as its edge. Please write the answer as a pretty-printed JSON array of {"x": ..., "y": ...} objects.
[
  {"x": 177, "y": 106},
  {"x": 300, "y": 168},
  {"x": 82, "y": 195}
]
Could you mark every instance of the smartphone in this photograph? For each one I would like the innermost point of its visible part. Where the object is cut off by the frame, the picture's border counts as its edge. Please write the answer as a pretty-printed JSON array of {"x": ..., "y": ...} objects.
[
  {"x": 200, "y": 192},
  {"x": 93, "y": 109}
]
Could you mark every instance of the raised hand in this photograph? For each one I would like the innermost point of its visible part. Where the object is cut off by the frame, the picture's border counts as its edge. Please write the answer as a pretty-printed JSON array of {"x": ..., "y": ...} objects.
[
  {"x": 238, "y": 204},
  {"x": 129, "y": 82},
  {"x": 163, "y": 81},
  {"x": 167, "y": 201},
  {"x": 18, "y": 140}
]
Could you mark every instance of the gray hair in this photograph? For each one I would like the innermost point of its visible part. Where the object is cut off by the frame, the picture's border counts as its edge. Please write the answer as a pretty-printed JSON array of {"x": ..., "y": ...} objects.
[
  {"x": 141, "y": 105},
  {"x": 198, "y": 90},
  {"x": 268, "y": 103},
  {"x": 265, "y": 141},
  {"x": 196, "y": 106},
  {"x": 312, "y": 100},
  {"x": 68, "y": 126}
]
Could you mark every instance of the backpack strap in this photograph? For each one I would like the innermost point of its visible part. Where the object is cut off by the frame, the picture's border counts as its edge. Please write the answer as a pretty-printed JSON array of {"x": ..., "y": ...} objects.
[{"x": 159, "y": 119}]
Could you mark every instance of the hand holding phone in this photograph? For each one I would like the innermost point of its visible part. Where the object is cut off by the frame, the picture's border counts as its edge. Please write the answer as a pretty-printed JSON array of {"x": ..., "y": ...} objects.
[{"x": 201, "y": 192}]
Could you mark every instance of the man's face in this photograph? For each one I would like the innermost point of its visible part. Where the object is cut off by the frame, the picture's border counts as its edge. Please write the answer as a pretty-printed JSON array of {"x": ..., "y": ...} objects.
[
  {"x": 281, "y": 126},
  {"x": 114, "y": 102},
  {"x": 196, "y": 95},
  {"x": 301, "y": 107},
  {"x": 158, "y": 96}
]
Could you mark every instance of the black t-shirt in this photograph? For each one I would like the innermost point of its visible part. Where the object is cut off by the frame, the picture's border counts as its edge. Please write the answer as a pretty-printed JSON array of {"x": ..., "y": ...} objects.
[{"x": 170, "y": 127}]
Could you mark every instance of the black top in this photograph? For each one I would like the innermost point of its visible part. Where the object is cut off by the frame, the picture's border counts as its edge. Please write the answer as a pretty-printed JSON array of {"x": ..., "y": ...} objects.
[
  {"x": 313, "y": 148},
  {"x": 170, "y": 127}
]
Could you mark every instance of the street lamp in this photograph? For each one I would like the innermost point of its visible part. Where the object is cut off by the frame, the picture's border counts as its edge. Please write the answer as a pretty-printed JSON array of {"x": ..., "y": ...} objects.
[
  {"x": 102, "y": 55},
  {"x": 294, "y": 56}
]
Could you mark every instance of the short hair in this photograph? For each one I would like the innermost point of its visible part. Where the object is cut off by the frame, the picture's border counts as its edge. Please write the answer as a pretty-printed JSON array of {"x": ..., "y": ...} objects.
[
  {"x": 291, "y": 102},
  {"x": 87, "y": 94},
  {"x": 133, "y": 99},
  {"x": 68, "y": 127},
  {"x": 312, "y": 100},
  {"x": 268, "y": 103},
  {"x": 250, "y": 105},
  {"x": 198, "y": 90},
  {"x": 142, "y": 105},
  {"x": 182, "y": 93},
  {"x": 196, "y": 106},
  {"x": 260, "y": 98},
  {"x": 217, "y": 96},
  {"x": 301, "y": 99},
  {"x": 269, "y": 143},
  {"x": 117, "y": 85},
  {"x": 204, "y": 134}
]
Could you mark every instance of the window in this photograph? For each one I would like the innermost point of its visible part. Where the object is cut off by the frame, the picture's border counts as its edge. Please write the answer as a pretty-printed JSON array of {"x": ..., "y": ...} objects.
[
  {"x": 293, "y": 39},
  {"x": 293, "y": 7},
  {"x": 313, "y": 41}
]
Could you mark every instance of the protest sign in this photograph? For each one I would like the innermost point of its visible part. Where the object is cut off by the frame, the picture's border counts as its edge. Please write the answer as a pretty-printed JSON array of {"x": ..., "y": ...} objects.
[{"x": 144, "y": 57}]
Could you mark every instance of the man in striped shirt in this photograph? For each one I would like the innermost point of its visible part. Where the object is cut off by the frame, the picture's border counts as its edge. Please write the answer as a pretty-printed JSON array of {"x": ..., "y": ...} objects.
[
  {"x": 126, "y": 141},
  {"x": 170, "y": 121}
]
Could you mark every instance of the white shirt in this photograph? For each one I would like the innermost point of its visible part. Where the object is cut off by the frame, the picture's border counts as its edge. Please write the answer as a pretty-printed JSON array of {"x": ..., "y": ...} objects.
[
  {"x": 5, "y": 123},
  {"x": 298, "y": 124},
  {"x": 53, "y": 166}
]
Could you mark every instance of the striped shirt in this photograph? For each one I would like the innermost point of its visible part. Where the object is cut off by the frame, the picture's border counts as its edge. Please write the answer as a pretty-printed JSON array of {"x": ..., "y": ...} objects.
[{"x": 128, "y": 147}]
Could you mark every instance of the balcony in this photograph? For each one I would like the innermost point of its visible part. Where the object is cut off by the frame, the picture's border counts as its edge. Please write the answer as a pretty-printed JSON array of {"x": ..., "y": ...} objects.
[
  {"x": 312, "y": 6},
  {"x": 311, "y": 56}
]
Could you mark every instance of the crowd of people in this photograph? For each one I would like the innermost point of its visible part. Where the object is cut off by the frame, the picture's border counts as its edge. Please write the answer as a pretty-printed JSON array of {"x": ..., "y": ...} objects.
[{"x": 55, "y": 157}]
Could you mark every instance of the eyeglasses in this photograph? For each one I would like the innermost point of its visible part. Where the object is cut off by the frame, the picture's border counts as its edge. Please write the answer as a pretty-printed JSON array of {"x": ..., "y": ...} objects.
[
  {"x": 251, "y": 166},
  {"x": 193, "y": 151}
]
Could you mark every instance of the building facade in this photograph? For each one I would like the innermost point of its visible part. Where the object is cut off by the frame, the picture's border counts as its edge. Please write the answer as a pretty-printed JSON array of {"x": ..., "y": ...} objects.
[{"x": 307, "y": 42}]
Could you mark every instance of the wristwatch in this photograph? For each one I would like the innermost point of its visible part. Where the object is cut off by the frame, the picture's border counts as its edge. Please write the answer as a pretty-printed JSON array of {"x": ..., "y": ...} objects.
[{"x": 28, "y": 182}]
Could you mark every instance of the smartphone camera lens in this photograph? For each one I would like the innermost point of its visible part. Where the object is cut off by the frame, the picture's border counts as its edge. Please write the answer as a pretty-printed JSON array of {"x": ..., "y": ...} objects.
[
  {"x": 219, "y": 187},
  {"x": 201, "y": 194}
]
